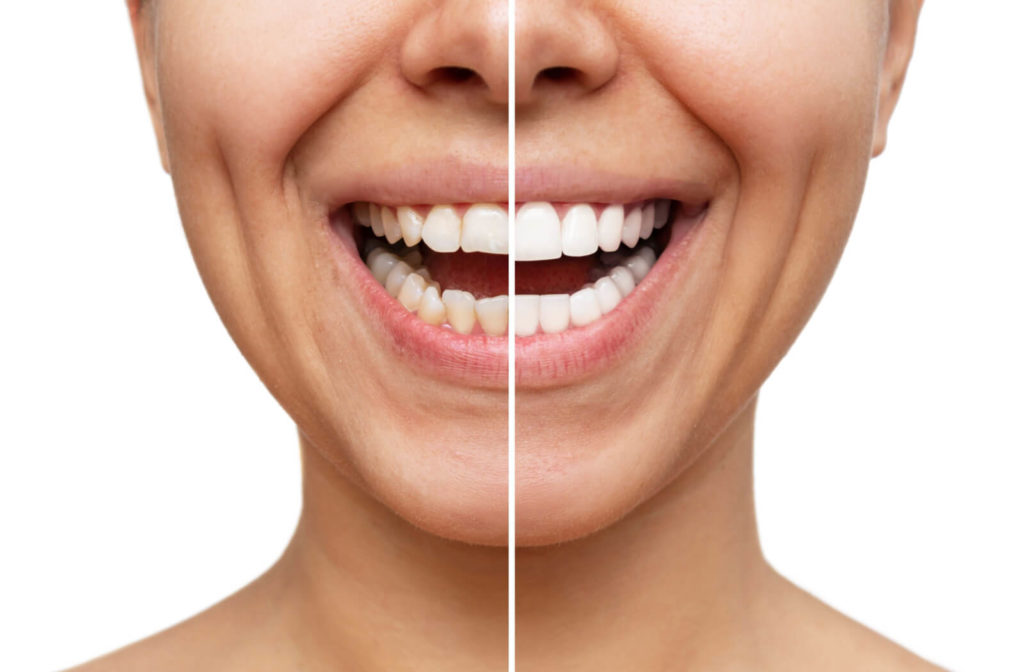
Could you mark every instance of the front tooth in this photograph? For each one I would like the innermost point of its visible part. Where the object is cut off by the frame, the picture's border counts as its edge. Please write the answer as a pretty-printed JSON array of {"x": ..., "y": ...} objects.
[
  {"x": 608, "y": 294},
  {"x": 527, "y": 314},
  {"x": 460, "y": 307},
  {"x": 647, "y": 221},
  {"x": 554, "y": 313},
  {"x": 662, "y": 208},
  {"x": 441, "y": 229},
  {"x": 631, "y": 227},
  {"x": 485, "y": 229},
  {"x": 381, "y": 263},
  {"x": 396, "y": 277},
  {"x": 392, "y": 230},
  {"x": 411, "y": 224},
  {"x": 411, "y": 292},
  {"x": 638, "y": 266},
  {"x": 609, "y": 228},
  {"x": 579, "y": 231},
  {"x": 583, "y": 307},
  {"x": 375, "y": 221},
  {"x": 431, "y": 308},
  {"x": 361, "y": 213},
  {"x": 538, "y": 233},
  {"x": 492, "y": 313},
  {"x": 623, "y": 279}
]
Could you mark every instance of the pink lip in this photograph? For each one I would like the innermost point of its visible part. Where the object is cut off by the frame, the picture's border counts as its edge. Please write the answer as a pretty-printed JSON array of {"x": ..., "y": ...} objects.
[{"x": 543, "y": 360}]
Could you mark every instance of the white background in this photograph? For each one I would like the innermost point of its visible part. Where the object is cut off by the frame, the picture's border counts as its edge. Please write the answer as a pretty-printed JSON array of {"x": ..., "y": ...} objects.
[{"x": 145, "y": 473}]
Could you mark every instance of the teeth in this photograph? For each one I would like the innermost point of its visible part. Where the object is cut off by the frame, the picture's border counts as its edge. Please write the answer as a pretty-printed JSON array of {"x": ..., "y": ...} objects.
[
  {"x": 492, "y": 313},
  {"x": 579, "y": 231},
  {"x": 485, "y": 229},
  {"x": 442, "y": 229},
  {"x": 584, "y": 230}
]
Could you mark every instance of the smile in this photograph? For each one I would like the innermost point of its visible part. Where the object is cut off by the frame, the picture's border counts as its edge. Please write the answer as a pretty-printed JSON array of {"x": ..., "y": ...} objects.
[{"x": 575, "y": 262}]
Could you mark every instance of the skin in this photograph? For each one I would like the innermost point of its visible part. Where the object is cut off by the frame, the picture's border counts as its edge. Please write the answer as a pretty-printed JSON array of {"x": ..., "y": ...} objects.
[{"x": 397, "y": 564}]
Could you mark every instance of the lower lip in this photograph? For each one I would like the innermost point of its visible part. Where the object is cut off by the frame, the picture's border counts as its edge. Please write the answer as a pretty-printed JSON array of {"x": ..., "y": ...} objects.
[{"x": 542, "y": 360}]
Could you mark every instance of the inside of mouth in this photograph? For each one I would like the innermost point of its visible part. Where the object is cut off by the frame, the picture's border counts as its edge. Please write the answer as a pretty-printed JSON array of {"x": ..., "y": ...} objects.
[{"x": 453, "y": 285}]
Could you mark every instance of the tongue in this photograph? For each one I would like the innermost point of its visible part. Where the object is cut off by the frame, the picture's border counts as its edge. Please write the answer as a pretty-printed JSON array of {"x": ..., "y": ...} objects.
[{"x": 487, "y": 274}]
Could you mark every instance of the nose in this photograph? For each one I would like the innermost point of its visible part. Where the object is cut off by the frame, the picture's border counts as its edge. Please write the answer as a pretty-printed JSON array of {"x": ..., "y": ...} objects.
[
  {"x": 460, "y": 47},
  {"x": 561, "y": 48}
]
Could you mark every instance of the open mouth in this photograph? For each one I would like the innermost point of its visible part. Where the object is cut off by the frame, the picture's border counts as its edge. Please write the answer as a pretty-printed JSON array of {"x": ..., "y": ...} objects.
[{"x": 575, "y": 262}]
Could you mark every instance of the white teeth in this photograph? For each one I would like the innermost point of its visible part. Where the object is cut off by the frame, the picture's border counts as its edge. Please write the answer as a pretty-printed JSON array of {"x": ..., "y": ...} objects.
[
  {"x": 623, "y": 279},
  {"x": 647, "y": 221},
  {"x": 431, "y": 308},
  {"x": 609, "y": 228},
  {"x": 411, "y": 224},
  {"x": 396, "y": 277},
  {"x": 579, "y": 231},
  {"x": 608, "y": 294},
  {"x": 631, "y": 227},
  {"x": 541, "y": 235},
  {"x": 375, "y": 221},
  {"x": 527, "y": 314},
  {"x": 442, "y": 228},
  {"x": 538, "y": 233},
  {"x": 554, "y": 313},
  {"x": 411, "y": 292},
  {"x": 485, "y": 229},
  {"x": 492, "y": 313},
  {"x": 461, "y": 309},
  {"x": 583, "y": 307}
]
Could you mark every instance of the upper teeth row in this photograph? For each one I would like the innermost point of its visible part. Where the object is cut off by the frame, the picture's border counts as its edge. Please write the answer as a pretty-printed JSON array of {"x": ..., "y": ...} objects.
[{"x": 540, "y": 234}]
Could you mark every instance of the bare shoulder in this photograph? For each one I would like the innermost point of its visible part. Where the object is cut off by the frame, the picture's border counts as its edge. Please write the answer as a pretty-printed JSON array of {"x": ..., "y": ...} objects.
[
  {"x": 813, "y": 635},
  {"x": 231, "y": 635}
]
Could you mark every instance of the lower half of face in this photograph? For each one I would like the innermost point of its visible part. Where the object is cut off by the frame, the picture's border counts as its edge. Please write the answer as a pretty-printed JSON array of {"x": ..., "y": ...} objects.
[{"x": 682, "y": 198}]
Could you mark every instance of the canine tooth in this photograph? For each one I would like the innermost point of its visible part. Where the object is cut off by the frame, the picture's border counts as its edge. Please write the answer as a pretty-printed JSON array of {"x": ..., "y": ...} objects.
[
  {"x": 441, "y": 229},
  {"x": 411, "y": 292},
  {"x": 485, "y": 229},
  {"x": 492, "y": 313},
  {"x": 579, "y": 231},
  {"x": 538, "y": 233},
  {"x": 647, "y": 221},
  {"x": 392, "y": 231},
  {"x": 460, "y": 307},
  {"x": 662, "y": 208},
  {"x": 361, "y": 213},
  {"x": 623, "y": 279},
  {"x": 609, "y": 228},
  {"x": 396, "y": 277},
  {"x": 375, "y": 221},
  {"x": 431, "y": 308},
  {"x": 381, "y": 264},
  {"x": 638, "y": 266},
  {"x": 583, "y": 307},
  {"x": 631, "y": 227},
  {"x": 527, "y": 314},
  {"x": 608, "y": 294},
  {"x": 411, "y": 224},
  {"x": 554, "y": 313}
]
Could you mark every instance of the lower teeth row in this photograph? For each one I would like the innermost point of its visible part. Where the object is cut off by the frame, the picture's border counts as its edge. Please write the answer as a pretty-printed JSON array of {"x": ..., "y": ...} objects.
[{"x": 406, "y": 279}]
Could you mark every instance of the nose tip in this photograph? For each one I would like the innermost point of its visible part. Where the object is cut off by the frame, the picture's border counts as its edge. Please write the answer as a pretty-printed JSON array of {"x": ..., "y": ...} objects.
[
  {"x": 561, "y": 49},
  {"x": 461, "y": 46}
]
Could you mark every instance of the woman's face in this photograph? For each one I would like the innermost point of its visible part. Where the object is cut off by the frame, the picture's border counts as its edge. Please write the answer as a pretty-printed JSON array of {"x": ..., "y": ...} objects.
[{"x": 756, "y": 119}]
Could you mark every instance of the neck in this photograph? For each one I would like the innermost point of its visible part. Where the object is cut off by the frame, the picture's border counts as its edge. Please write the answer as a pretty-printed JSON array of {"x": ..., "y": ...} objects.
[
  {"x": 678, "y": 577},
  {"x": 368, "y": 591}
]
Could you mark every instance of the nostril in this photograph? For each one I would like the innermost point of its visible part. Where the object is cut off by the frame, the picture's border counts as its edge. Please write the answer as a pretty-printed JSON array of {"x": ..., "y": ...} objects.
[
  {"x": 559, "y": 73},
  {"x": 454, "y": 74}
]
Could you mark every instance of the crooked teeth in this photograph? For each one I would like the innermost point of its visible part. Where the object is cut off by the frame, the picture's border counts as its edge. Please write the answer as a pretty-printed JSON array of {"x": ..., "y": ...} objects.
[{"x": 482, "y": 228}]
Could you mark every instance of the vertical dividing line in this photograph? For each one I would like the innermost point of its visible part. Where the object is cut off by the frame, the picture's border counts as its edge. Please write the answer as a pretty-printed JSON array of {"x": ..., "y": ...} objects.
[{"x": 511, "y": 336}]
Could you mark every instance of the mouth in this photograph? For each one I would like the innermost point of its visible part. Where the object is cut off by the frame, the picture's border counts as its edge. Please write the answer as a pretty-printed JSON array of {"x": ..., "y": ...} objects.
[{"x": 575, "y": 262}]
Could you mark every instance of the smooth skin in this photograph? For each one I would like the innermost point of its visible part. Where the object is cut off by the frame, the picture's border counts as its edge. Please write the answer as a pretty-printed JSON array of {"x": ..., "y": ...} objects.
[{"x": 639, "y": 546}]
